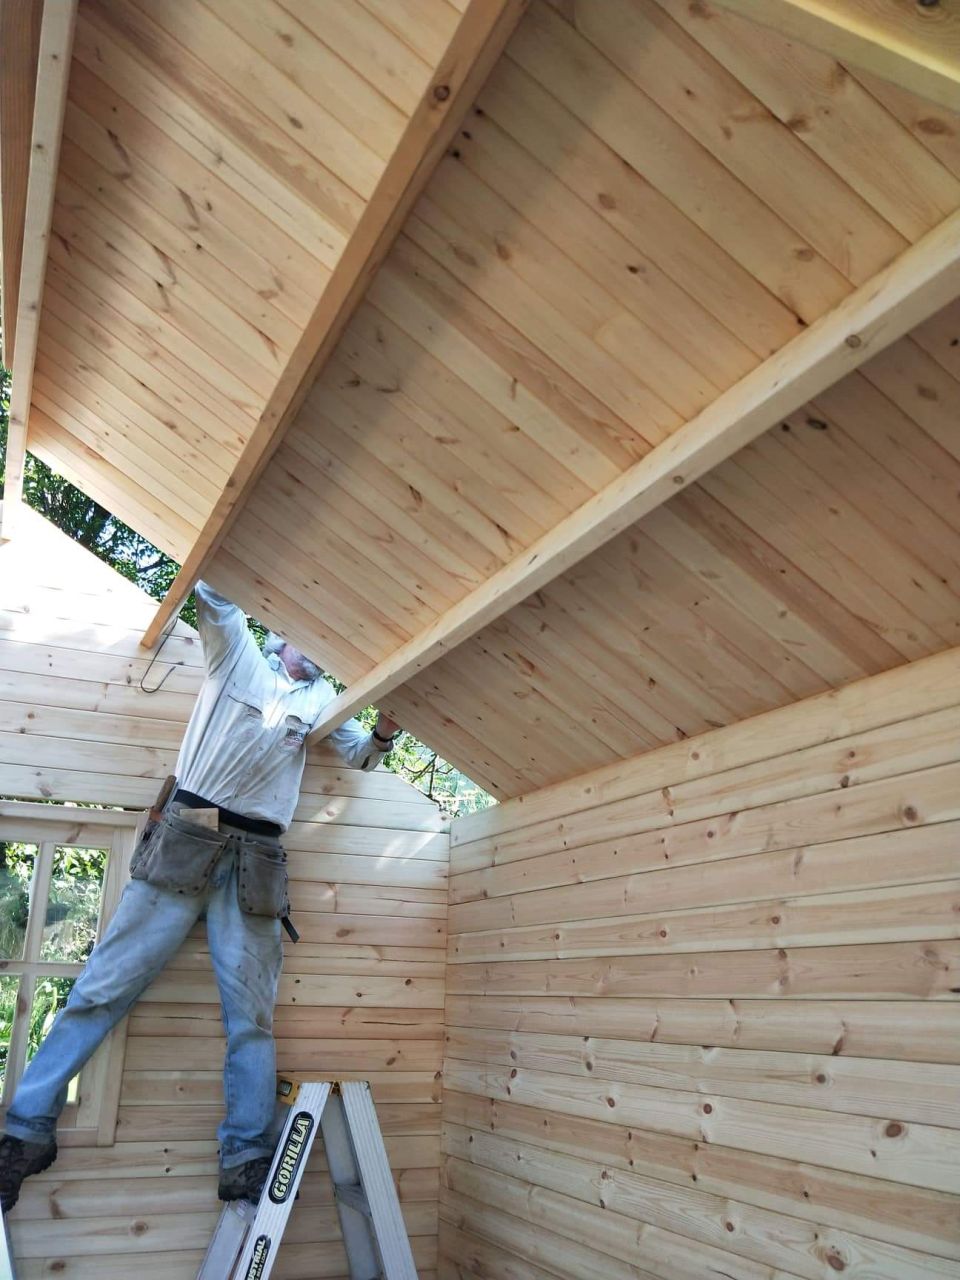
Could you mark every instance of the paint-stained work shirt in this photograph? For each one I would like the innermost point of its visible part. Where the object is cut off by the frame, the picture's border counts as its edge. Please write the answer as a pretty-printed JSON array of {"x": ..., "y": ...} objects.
[{"x": 244, "y": 748}]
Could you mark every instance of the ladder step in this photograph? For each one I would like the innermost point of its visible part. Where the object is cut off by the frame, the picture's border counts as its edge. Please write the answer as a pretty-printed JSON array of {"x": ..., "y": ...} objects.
[{"x": 248, "y": 1237}]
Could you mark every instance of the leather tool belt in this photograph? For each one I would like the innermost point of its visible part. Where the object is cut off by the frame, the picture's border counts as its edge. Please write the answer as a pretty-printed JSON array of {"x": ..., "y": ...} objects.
[{"x": 179, "y": 855}]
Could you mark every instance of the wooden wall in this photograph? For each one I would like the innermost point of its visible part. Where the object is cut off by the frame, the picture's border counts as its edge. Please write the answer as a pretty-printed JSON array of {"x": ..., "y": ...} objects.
[
  {"x": 361, "y": 996},
  {"x": 702, "y": 1011}
]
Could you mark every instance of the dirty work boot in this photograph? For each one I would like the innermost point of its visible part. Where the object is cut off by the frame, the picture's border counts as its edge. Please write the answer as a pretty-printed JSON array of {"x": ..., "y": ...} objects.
[
  {"x": 245, "y": 1181},
  {"x": 18, "y": 1160}
]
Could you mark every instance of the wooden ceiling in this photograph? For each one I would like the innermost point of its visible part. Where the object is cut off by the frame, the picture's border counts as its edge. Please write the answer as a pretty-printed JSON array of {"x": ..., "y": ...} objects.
[
  {"x": 647, "y": 201},
  {"x": 216, "y": 160}
]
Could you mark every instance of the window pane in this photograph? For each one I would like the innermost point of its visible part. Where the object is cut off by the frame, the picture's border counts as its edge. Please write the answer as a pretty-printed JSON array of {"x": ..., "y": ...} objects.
[
  {"x": 9, "y": 986},
  {"x": 17, "y": 863},
  {"x": 49, "y": 998},
  {"x": 70, "y": 928}
]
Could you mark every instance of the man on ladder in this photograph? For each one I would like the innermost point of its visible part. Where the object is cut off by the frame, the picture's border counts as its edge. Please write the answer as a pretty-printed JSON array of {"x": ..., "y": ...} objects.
[
  {"x": 211, "y": 846},
  {"x": 248, "y": 1237}
]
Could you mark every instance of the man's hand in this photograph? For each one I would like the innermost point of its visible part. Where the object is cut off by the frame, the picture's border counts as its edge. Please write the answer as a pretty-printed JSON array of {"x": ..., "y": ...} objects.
[{"x": 386, "y": 728}]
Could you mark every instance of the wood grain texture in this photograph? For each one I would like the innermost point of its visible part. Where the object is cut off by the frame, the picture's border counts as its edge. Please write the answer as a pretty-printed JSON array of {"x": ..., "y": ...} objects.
[
  {"x": 646, "y": 203},
  {"x": 915, "y": 46},
  {"x": 909, "y": 291},
  {"x": 19, "y": 44},
  {"x": 53, "y": 60},
  {"x": 632, "y": 1108},
  {"x": 476, "y": 44}
]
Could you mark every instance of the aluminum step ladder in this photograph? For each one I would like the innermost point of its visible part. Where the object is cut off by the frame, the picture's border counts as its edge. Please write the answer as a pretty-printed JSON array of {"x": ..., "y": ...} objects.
[
  {"x": 6, "y": 1251},
  {"x": 248, "y": 1236}
]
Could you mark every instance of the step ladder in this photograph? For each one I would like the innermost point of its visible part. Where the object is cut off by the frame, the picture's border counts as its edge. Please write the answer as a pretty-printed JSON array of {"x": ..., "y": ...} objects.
[
  {"x": 6, "y": 1251},
  {"x": 248, "y": 1236}
]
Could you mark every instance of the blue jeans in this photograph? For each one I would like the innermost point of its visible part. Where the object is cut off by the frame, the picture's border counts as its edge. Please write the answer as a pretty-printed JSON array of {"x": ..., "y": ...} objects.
[{"x": 147, "y": 928}]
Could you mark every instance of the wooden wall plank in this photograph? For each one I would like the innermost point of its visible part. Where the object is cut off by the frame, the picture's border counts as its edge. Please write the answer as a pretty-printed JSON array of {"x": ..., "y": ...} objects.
[{"x": 612, "y": 1108}]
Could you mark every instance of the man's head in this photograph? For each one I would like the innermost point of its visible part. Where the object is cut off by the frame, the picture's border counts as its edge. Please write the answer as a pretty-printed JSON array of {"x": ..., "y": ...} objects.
[{"x": 298, "y": 666}]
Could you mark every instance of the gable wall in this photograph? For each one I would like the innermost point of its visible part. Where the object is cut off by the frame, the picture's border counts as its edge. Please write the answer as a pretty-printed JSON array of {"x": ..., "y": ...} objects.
[
  {"x": 702, "y": 1012},
  {"x": 362, "y": 993}
]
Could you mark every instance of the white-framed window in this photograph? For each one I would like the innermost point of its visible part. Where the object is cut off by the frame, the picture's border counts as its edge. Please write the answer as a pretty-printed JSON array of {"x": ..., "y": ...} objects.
[{"x": 62, "y": 870}]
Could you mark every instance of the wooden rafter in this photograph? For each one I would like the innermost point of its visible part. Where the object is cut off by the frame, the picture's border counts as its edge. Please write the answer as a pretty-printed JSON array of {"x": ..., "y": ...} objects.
[
  {"x": 914, "y": 44},
  {"x": 53, "y": 75},
  {"x": 921, "y": 281},
  {"x": 480, "y": 36},
  {"x": 19, "y": 46}
]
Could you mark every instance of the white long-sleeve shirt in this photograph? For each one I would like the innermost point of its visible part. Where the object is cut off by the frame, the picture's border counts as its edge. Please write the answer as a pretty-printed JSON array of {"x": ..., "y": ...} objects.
[{"x": 244, "y": 748}]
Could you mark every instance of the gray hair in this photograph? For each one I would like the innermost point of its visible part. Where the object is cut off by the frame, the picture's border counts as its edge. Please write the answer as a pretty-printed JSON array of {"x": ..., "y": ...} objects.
[{"x": 274, "y": 644}]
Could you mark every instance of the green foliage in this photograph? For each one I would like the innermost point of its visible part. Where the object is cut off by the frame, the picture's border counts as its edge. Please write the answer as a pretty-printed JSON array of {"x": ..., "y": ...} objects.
[
  {"x": 50, "y": 996},
  {"x": 16, "y": 872},
  {"x": 73, "y": 908},
  {"x": 137, "y": 559}
]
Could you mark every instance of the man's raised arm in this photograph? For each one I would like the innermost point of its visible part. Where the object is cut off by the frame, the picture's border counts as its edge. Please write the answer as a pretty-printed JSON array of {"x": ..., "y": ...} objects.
[
  {"x": 222, "y": 626},
  {"x": 360, "y": 749}
]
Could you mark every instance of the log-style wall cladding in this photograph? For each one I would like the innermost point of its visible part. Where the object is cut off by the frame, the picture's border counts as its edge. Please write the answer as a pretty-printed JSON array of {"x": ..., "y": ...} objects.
[
  {"x": 361, "y": 996},
  {"x": 702, "y": 1011}
]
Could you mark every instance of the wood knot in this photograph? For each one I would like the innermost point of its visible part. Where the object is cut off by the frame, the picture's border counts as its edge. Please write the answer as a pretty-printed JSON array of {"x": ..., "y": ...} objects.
[
  {"x": 894, "y": 1129},
  {"x": 441, "y": 92},
  {"x": 910, "y": 813},
  {"x": 930, "y": 124},
  {"x": 834, "y": 1260},
  {"x": 708, "y": 1108},
  {"x": 853, "y": 340}
]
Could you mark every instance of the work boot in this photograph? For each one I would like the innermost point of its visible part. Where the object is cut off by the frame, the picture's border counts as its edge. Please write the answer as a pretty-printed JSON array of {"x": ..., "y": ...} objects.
[
  {"x": 245, "y": 1181},
  {"x": 18, "y": 1160}
]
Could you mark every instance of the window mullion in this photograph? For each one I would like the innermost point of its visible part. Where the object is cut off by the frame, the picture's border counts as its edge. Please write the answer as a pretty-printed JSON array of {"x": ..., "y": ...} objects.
[
  {"x": 19, "y": 1035},
  {"x": 93, "y": 1115},
  {"x": 39, "y": 897}
]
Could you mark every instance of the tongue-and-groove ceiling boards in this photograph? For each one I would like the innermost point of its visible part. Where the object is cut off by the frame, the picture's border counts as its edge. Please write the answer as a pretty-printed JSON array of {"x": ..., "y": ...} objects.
[{"x": 646, "y": 201}]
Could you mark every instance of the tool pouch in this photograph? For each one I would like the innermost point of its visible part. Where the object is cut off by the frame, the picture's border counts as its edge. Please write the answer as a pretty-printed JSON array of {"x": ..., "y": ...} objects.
[
  {"x": 262, "y": 878},
  {"x": 176, "y": 854}
]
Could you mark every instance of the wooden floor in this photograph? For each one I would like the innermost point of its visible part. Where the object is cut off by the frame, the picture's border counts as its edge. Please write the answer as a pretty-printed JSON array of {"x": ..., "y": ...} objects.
[
  {"x": 362, "y": 993},
  {"x": 701, "y": 1011}
]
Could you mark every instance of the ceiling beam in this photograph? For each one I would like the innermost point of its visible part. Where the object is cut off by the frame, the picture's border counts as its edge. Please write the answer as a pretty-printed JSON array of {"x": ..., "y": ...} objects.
[
  {"x": 477, "y": 43},
  {"x": 921, "y": 281},
  {"x": 19, "y": 46},
  {"x": 50, "y": 100},
  {"x": 913, "y": 43}
]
